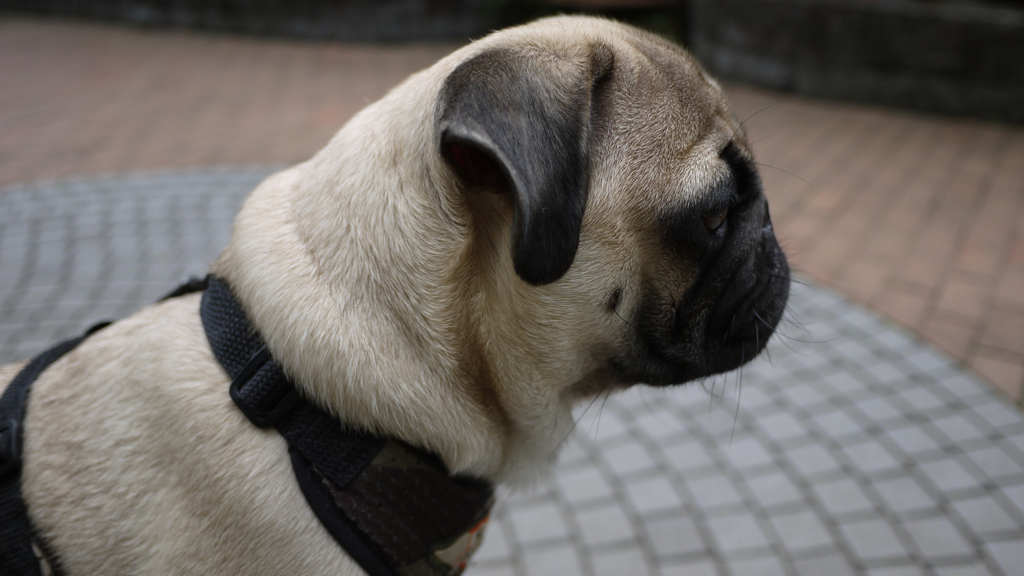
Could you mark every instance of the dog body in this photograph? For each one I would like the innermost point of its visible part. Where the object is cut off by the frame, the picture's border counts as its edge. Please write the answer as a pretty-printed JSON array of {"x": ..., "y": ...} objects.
[{"x": 552, "y": 212}]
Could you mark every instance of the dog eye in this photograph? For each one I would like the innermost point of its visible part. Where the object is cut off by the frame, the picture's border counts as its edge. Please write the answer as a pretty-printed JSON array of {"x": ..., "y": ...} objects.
[{"x": 714, "y": 220}]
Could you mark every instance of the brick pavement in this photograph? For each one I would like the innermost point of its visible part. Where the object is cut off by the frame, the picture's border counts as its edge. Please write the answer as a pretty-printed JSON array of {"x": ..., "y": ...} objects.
[{"x": 918, "y": 217}]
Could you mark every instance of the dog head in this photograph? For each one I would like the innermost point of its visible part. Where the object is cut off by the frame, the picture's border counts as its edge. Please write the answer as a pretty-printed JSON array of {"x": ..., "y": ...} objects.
[
  {"x": 631, "y": 187},
  {"x": 553, "y": 211}
]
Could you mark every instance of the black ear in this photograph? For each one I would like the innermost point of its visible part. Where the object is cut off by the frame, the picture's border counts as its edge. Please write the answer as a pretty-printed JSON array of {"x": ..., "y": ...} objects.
[{"x": 523, "y": 120}]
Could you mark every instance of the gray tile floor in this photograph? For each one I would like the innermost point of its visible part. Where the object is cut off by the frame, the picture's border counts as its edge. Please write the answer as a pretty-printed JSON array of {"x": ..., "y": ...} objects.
[{"x": 849, "y": 448}]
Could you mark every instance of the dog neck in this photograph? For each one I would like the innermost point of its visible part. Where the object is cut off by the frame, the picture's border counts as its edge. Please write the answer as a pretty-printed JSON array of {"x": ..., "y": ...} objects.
[{"x": 359, "y": 297}]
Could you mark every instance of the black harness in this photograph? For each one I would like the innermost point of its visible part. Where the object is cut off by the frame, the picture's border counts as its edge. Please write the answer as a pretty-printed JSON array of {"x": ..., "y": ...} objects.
[
  {"x": 395, "y": 509},
  {"x": 16, "y": 538}
]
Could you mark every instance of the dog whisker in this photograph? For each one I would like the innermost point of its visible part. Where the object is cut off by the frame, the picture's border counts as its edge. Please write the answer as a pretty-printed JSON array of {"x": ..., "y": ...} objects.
[
  {"x": 739, "y": 395},
  {"x": 757, "y": 341},
  {"x": 759, "y": 319},
  {"x": 786, "y": 317},
  {"x": 600, "y": 411},
  {"x": 643, "y": 399},
  {"x": 711, "y": 391},
  {"x": 624, "y": 321},
  {"x": 809, "y": 185},
  {"x": 745, "y": 120},
  {"x": 711, "y": 399},
  {"x": 577, "y": 421},
  {"x": 803, "y": 327},
  {"x": 802, "y": 341}
]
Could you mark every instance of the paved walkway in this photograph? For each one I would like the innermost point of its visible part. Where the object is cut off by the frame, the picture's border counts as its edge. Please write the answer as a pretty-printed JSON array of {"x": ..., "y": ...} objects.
[
  {"x": 918, "y": 217},
  {"x": 850, "y": 448}
]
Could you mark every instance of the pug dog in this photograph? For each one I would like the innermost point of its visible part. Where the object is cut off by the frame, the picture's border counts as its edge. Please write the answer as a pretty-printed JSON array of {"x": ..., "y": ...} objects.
[{"x": 555, "y": 211}]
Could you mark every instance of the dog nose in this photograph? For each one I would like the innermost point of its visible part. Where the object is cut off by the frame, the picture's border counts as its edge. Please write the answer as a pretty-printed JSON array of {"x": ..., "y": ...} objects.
[{"x": 766, "y": 221}]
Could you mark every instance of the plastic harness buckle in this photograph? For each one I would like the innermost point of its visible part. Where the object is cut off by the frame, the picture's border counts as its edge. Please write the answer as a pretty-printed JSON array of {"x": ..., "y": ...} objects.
[{"x": 261, "y": 418}]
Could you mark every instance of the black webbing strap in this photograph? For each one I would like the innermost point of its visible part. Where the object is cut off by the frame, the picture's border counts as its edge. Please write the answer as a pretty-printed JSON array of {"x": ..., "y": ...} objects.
[
  {"x": 316, "y": 439},
  {"x": 16, "y": 555}
]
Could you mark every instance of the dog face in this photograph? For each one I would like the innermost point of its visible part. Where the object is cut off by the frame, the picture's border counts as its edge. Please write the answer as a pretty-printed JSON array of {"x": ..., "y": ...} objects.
[
  {"x": 633, "y": 196},
  {"x": 554, "y": 211}
]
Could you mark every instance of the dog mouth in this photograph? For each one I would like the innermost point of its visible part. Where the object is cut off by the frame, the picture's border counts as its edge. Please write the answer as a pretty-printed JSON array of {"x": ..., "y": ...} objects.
[{"x": 723, "y": 321}]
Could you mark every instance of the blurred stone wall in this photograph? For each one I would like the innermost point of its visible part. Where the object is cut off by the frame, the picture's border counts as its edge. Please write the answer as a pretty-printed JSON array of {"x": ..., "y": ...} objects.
[
  {"x": 334, "y": 19},
  {"x": 955, "y": 57},
  {"x": 947, "y": 56}
]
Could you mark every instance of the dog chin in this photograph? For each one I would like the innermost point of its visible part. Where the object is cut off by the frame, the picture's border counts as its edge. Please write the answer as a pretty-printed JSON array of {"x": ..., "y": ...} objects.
[
  {"x": 666, "y": 365},
  {"x": 699, "y": 339}
]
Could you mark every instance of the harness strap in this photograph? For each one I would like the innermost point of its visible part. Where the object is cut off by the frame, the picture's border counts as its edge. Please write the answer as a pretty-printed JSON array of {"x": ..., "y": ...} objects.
[
  {"x": 17, "y": 557},
  {"x": 395, "y": 509},
  {"x": 265, "y": 395},
  {"x": 16, "y": 554}
]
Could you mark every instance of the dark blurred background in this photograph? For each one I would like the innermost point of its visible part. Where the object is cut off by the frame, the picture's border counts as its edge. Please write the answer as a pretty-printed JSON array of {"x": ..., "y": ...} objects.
[{"x": 946, "y": 56}]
